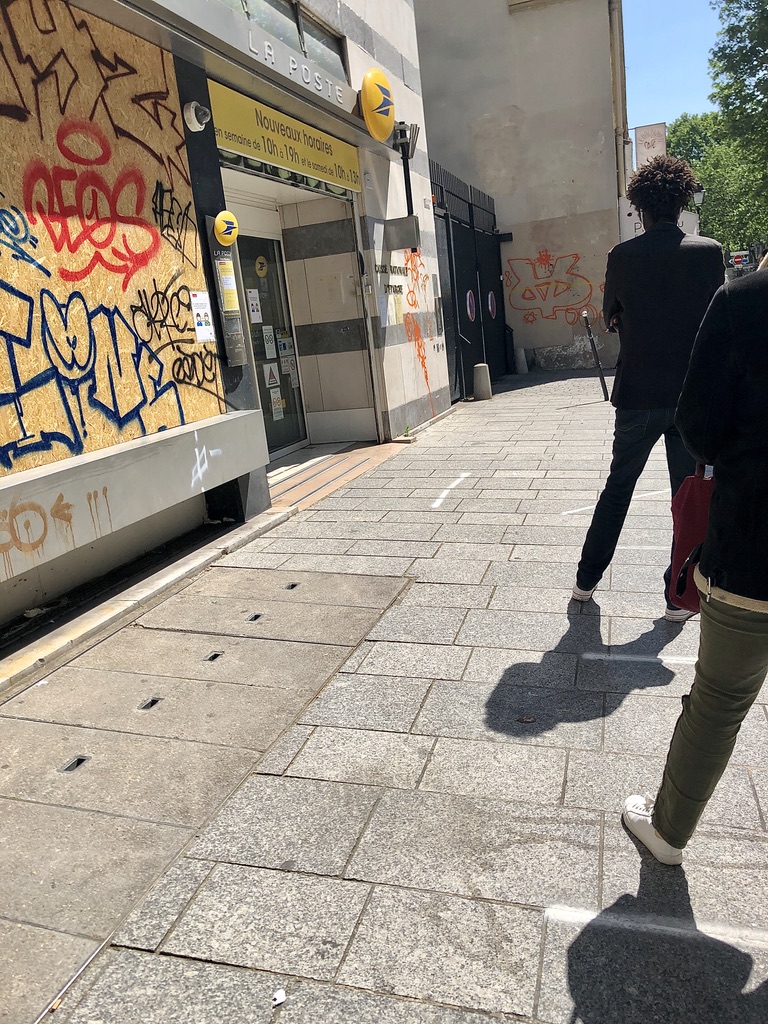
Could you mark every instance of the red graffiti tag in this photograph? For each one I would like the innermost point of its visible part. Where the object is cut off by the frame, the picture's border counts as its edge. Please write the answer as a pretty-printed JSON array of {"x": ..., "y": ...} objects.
[
  {"x": 414, "y": 335},
  {"x": 100, "y": 223}
]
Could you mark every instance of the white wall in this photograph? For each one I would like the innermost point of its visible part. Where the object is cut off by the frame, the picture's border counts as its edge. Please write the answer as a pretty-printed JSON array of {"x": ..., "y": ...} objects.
[{"x": 520, "y": 103}]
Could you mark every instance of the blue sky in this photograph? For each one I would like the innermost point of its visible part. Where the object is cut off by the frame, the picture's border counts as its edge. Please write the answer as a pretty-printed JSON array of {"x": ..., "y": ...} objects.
[{"x": 667, "y": 44}]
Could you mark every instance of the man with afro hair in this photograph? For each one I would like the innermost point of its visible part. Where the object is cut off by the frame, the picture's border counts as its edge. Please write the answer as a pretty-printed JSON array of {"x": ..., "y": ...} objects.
[{"x": 657, "y": 288}]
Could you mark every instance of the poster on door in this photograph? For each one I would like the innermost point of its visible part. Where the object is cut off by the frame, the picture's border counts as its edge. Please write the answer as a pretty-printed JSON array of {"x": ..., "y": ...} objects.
[
  {"x": 269, "y": 342},
  {"x": 254, "y": 306},
  {"x": 285, "y": 344},
  {"x": 201, "y": 311},
  {"x": 271, "y": 375},
  {"x": 277, "y": 403}
]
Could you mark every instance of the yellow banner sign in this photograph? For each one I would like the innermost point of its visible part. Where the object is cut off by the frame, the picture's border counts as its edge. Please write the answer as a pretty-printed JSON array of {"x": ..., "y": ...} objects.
[{"x": 247, "y": 127}]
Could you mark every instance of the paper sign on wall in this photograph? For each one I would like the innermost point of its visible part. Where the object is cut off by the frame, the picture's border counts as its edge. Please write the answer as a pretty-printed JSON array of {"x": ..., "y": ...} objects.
[
  {"x": 269, "y": 342},
  {"x": 201, "y": 311},
  {"x": 277, "y": 403},
  {"x": 254, "y": 306},
  {"x": 271, "y": 378},
  {"x": 383, "y": 301},
  {"x": 285, "y": 345},
  {"x": 226, "y": 272}
]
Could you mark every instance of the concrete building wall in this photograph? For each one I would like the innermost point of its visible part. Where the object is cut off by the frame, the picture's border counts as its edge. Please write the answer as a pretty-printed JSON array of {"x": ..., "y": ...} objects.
[{"x": 524, "y": 100}]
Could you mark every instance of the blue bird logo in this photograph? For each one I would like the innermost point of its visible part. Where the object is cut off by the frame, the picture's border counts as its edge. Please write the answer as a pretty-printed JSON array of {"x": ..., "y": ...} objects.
[{"x": 387, "y": 103}]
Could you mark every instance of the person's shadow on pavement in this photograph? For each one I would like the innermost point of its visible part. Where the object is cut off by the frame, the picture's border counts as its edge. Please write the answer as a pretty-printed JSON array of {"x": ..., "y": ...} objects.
[
  {"x": 643, "y": 961},
  {"x": 523, "y": 704}
]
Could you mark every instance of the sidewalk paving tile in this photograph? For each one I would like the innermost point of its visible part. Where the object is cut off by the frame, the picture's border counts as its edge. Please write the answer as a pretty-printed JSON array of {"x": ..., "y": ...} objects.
[
  {"x": 524, "y": 668},
  {"x": 237, "y": 659},
  {"x": 469, "y": 552},
  {"x": 332, "y": 1004},
  {"x": 395, "y": 548},
  {"x": 724, "y": 880},
  {"x": 146, "y": 926},
  {"x": 310, "y": 545},
  {"x": 414, "y": 625},
  {"x": 429, "y": 661},
  {"x": 263, "y": 620},
  {"x": 299, "y": 587},
  {"x": 288, "y": 823},
  {"x": 362, "y": 757},
  {"x": 654, "y": 637},
  {"x": 606, "y": 780},
  {"x": 508, "y": 597},
  {"x": 502, "y": 771},
  {"x": 386, "y": 703},
  {"x": 78, "y": 871},
  {"x": 277, "y": 759},
  {"x": 431, "y": 570},
  {"x": 643, "y": 723},
  {"x": 160, "y": 780},
  {"x": 138, "y": 988},
  {"x": 363, "y": 565},
  {"x": 36, "y": 965},
  {"x": 544, "y": 575},
  {"x": 446, "y": 595},
  {"x": 478, "y": 955},
  {"x": 485, "y": 848},
  {"x": 512, "y": 713},
  {"x": 611, "y": 969},
  {"x": 270, "y": 920},
  {"x": 625, "y": 673},
  {"x": 190, "y": 709},
  {"x": 533, "y": 631}
]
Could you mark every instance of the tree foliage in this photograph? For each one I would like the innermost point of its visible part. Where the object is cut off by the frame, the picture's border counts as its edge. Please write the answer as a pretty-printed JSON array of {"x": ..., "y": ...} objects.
[
  {"x": 739, "y": 66},
  {"x": 734, "y": 211}
]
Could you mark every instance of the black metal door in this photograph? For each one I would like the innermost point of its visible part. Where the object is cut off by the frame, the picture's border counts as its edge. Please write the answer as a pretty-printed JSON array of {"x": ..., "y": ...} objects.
[
  {"x": 470, "y": 320},
  {"x": 452, "y": 342},
  {"x": 491, "y": 302}
]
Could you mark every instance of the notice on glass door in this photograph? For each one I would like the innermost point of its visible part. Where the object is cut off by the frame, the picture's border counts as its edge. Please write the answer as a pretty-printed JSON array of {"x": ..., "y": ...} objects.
[
  {"x": 277, "y": 403},
  {"x": 271, "y": 376},
  {"x": 254, "y": 306},
  {"x": 229, "y": 300},
  {"x": 269, "y": 342}
]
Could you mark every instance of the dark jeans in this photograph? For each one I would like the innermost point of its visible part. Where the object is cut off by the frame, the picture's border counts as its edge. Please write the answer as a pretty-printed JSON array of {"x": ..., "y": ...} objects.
[{"x": 635, "y": 434}]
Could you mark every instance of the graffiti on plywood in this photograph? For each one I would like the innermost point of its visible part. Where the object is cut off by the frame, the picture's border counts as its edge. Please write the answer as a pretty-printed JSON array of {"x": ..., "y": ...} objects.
[
  {"x": 549, "y": 287},
  {"x": 99, "y": 247}
]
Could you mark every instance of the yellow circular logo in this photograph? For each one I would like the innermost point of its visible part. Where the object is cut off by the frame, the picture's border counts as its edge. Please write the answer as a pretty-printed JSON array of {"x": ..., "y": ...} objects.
[
  {"x": 377, "y": 105},
  {"x": 225, "y": 228},
  {"x": 262, "y": 267}
]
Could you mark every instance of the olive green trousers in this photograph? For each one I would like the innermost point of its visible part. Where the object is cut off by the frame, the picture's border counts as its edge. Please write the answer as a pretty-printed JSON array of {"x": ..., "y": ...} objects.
[{"x": 731, "y": 669}]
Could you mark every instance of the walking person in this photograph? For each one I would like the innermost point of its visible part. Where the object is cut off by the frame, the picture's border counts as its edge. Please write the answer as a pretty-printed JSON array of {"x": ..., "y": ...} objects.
[
  {"x": 657, "y": 289},
  {"x": 722, "y": 417}
]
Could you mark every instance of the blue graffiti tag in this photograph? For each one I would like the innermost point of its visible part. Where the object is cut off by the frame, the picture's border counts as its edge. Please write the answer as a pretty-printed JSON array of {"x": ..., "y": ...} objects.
[
  {"x": 15, "y": 234},
  {"x": 85, "y": 366}
]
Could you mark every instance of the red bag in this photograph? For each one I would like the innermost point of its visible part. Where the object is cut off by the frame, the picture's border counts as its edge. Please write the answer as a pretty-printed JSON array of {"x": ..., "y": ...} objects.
[{"x": 690, "y": 518}]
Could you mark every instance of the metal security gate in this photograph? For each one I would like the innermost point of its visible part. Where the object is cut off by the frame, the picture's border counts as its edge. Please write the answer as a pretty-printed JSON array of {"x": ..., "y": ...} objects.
[{"x": 469, "y": 259}]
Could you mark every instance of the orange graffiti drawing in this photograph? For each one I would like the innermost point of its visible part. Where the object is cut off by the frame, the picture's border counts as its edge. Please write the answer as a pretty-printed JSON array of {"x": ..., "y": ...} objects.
[
  {"x": 414, "y": 335},
  {"x": 417, "y": 279},
  {"x": 549, "y": 287}
]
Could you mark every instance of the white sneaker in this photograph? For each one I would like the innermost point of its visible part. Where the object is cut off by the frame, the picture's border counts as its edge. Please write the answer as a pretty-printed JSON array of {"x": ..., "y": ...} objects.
[
  {"x": 673, "y": 614},
  {"x": 582, "y": 595},
  {"x": 637, "y": 817}
]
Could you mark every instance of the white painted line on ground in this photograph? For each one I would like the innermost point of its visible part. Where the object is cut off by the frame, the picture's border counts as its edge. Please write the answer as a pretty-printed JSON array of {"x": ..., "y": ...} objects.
[
  {"x": 448, "y": 489},
  {"x": 587, "y": 508},
  {"x": 640, "y": 547},
  {"x": 658, "y": 924}
]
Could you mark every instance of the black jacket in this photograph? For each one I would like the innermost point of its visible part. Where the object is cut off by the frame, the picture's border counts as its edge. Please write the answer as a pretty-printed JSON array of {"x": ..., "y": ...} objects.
[
  {"x": 659, "y": 284},
  {"x": 723, "y": 418}
]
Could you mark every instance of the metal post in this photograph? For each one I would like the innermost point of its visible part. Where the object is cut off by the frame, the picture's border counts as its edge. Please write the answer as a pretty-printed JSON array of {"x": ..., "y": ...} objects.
[{"x": 585, "y": 318}]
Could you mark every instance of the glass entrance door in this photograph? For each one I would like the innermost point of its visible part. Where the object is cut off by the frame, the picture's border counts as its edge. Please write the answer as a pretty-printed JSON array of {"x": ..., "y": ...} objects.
[{"x": 274, "y": 347}]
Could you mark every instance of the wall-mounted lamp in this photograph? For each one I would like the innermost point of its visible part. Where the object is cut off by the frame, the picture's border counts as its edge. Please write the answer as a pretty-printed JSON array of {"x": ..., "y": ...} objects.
[
  {"x": 405, "y": 138},
  {"x": 196, "y": 116},
  {"x": 698, "y": 197}
]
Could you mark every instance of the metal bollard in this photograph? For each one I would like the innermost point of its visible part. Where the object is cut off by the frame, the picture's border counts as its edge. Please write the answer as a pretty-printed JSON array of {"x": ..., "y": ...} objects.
[{"x": 482, "y": 388}]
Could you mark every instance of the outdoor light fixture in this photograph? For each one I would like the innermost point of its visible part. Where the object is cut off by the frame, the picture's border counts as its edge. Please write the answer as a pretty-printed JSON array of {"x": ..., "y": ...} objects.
[
  {"x": 405, "y": 138},
  {"x": 698, "y": 197}
]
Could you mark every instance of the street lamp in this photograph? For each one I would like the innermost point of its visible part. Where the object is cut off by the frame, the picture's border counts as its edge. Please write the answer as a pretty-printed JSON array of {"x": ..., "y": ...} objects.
[{"x": 698, "y": 197}]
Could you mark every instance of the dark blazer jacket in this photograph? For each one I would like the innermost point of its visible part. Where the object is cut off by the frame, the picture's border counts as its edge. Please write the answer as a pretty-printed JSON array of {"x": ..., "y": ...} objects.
[
  {"x": 723, "y": 419},
  {"x": 659, "y": 284}
]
